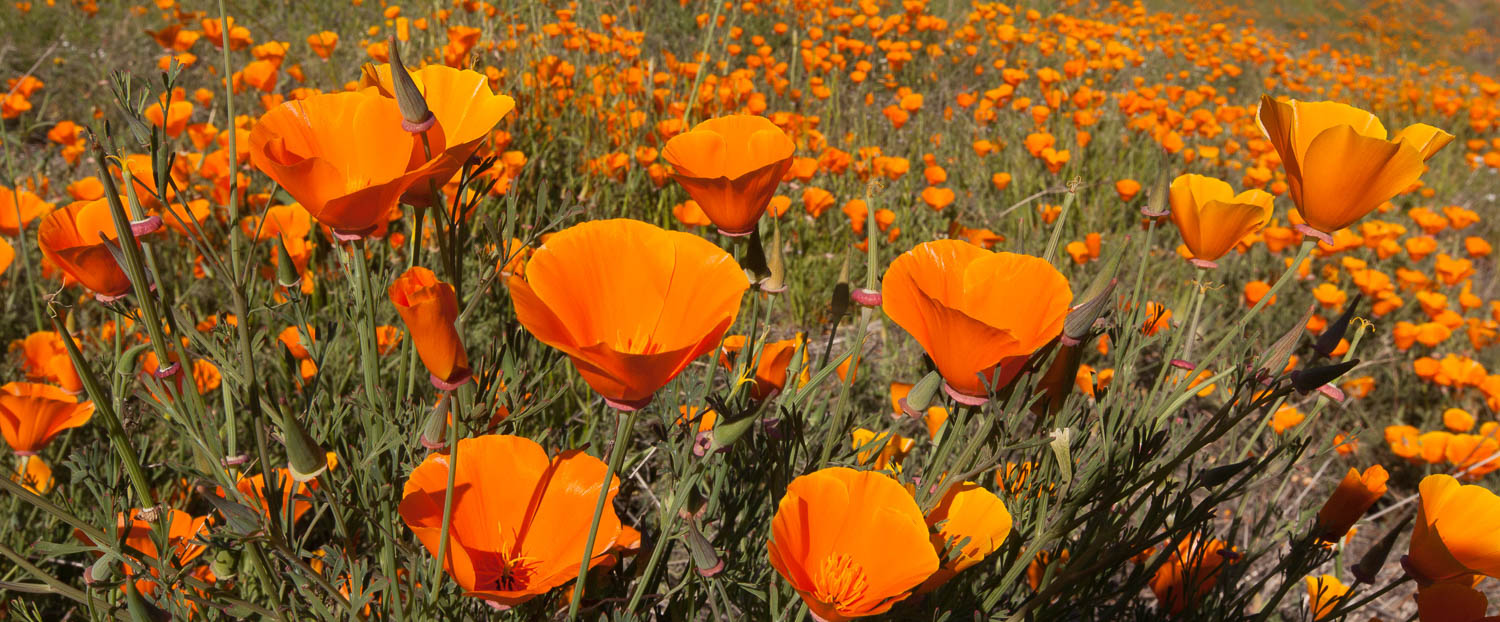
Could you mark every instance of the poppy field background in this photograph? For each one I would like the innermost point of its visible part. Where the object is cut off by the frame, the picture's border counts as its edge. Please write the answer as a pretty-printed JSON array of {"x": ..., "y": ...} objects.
[{"x": 1065, "y": 310}]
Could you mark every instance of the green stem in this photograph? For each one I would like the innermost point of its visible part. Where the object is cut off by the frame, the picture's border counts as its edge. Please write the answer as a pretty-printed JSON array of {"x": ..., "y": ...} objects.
[
  {"x": 369, "y": 362},
  {"x": 442, "y": 555},
  {"x": 623, "y": 426}
]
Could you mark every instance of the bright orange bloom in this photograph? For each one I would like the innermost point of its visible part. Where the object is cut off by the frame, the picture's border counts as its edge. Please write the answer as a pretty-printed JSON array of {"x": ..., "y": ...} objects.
[
  {"x": 971, "y": 515},
  {"x": 1324, "y": 594},
  {"x": 731, "y": 166},
  {"x": 29, "y": 206},
  {"x": 31, "y": 415},
  {"x": 1211, "y": 218},
  {"x": 465, "y": 110},
  {"x": 1339, "y": 163},
  {"x": 1454, "y": 536},
  {"x": 323, "y": 43},
  {"x": 515, "y": 537},
  {"x": 430, "y": 307},
  {"x": 332, "y": 153},
  {"x": 852, "y": 543},
  {"x": 978, "y": 314},
  {"x": 1189, "y": 574},
  {"x": 1354, "y": 496},
  {"x": 7, "y": 255},
  {"x": 185, "y": 537},
  {"x": 630, "y": 303},
  {"x": 771, "y": 363},
  {"x": 69, "y": 238},
  {"x": 1452, "y": 602}
]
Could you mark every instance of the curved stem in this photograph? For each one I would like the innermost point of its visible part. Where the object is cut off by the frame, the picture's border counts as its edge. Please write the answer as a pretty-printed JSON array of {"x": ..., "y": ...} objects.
[{"x": 624, "y": 424}]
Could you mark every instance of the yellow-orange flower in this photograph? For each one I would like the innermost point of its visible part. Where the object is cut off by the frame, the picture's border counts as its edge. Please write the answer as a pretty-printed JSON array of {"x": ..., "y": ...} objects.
[
  {"x": 430, "y": 307},
  {"x": 334, "y": 154},
  {"x": 731, "y": 166},
  {"x": 852, "y": 543},
  {"x": 971, "y": 519},
  {"x": 513, "y": 537},
  {"x": 1324, "y": 594},
  {"x": 978, "y": 314},
  {"x": 630, "y": 303},
  {"x": 1454, "y": 536},
  {"x": 70, "y": 239},
  {"x": 1190, "y": 573},
  {"x": 1211, "y": 218},
  {"x": 465, "y": 110},
  {"x": 31, "y": 415},
  {"x": 1339, "y": 163},
  {"x": 1354, "y": 496}
]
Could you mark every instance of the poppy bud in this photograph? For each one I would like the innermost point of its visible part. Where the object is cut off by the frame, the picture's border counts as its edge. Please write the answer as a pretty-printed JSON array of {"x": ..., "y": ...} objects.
[
  {"x": 1305, "y": 380},
  {"x": 1082, "y": 317},
  {"x": 1329, "y": 340},
  {"x": 1220, "y": 474},
  {"x": 754, "y": 262},
  {"x": 102, "y": 572},
  {"x": 727, "y": 432},
  {"x": 1354, "y": 496},
  {"x": 919, "y": 399},
  {"x": 286, "y": 269},
  {"x": 224, "y": 565},
  {"x": 1275, "y": 357},
  {"x": 775, "y": 283},
  {"x": 305, "y": 459},
  {"x": 1156, "y": 202},
  {"x": 1374, "y": 559},
  {"x": 429, "y": 307},
  {"x": 705, "y": 560},
  {"x": 416, "y": 118},
  {"x": 435, "y": 431},
  {"x": 840, "y": 303}
]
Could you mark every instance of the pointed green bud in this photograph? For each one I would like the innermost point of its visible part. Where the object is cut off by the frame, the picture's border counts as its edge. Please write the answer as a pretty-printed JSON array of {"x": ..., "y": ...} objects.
[
  {"x": 305, "y": 459},
  {"x": 286, "y": 269},
  {"x": 102, "y": 572},
  {"x": 1275, "y": 357},
  {"x": 775, "y": 283},
  {"x": 1156, "y": 202},
  {"x": 919, "y": 399},
  {"x": 705, "y": 559},
  {"x": 840, "y": 303},
  {"x": 435, "y": 431},
  {"x": 754, "y": 261},
  {"x": 414, "y": 113},
  {"x": 1373, "y": 560}
]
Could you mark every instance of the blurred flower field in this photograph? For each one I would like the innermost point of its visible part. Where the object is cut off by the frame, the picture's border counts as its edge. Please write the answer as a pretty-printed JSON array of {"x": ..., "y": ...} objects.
[{"x": 769, "y": 310}]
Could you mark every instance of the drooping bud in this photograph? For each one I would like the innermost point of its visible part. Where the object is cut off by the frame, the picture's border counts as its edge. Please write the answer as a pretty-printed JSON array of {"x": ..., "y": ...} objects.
[
  {"x": 706, "y": 561},
  {"x": 1220, "y": 474},
  {"x": 225, "y": 565},
  {"x": 435, "y": 430},
  {"x": 1306, "y": 380},
  {"x": 1057, "y": 382},
  {"x": 1329, "y": 340},
  {"x": 919, "y": 399},
  {"x": 305, "y": 459},
  {"x": 416, "y": 118},
  {"x": 1082, "y": 317},
  {"x": 1374, "y": 559},
  {"x": 727, "y": 432},
  {"x": 102, "y": 572}
]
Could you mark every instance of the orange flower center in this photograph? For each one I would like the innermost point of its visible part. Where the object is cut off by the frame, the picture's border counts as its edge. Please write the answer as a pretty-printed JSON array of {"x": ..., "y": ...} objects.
[
  {"x": 840, "y": 581},
  {"x": 513, "y": 574}
]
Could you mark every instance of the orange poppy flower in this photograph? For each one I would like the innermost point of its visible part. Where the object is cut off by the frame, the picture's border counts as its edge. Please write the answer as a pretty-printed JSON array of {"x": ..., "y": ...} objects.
[
  {"x": 7, "y": 255},
  {"x": 770, "y": 363},
  {"x": 430, "y": 307},
  {"x": 1454, "y": 536},
  {"x": 70, "y": 239},
  {"x": 1211, "y": 218},
  {"x": 1354, "y": 496},
  {"x": 630, "y": 303},
  {"x": 978, "y": 314},
  {"x": 332, "y": 153},
  {"x": 1339, "y": 163},
  {"x": 1452, "y": 602},
  {"x": 1324, "y": 594},
  {"x": 19, "y": 207},
  {"x": 971, "y": 518},
  {"x": 31, "y": 415},
  {"x": 464, "y": 109},
  {"x": 185, "y": 539},
  {"x": 1190, "y": 573},
  {"x": 731, "y": 166},
  {"x": 852, "y": 543},
  {"x": 516, "y": 537}
]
